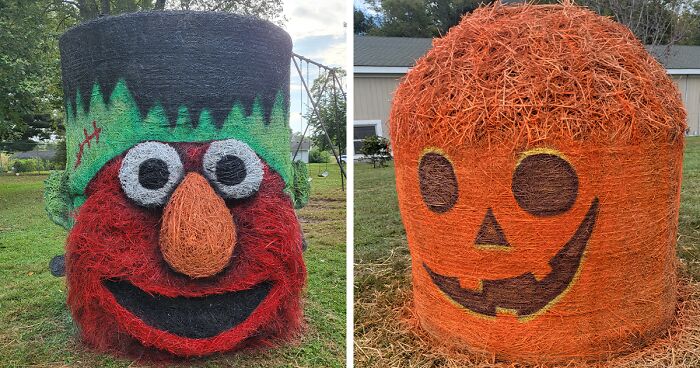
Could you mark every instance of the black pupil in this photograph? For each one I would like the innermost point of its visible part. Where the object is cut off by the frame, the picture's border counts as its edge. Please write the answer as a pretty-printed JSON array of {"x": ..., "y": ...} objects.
[
  {"x": 153, "y": 173},
  {"x": 230, "y": 170}
]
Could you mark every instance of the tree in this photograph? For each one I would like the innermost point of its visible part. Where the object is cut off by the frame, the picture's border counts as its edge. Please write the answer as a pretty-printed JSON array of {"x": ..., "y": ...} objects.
[
  {"x": 419, "y": 18},
  {"x": 265, "y": 9},
  {"x": 363, "y": 23},
  {"x": 331, "y": 105},
  {"x": 30, "y": 89},
  {"x": 376, "y": 149},
  {"x": 31, "y": 97},
  {"x": 403, "y": 18},
  {"x": 654, "y": 22}
]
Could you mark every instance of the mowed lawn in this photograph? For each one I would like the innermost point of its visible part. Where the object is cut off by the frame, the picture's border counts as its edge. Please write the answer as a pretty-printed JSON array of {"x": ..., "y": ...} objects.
[
  {"x": 36, "y": 328},
  {"x": 382, "y": 269}
]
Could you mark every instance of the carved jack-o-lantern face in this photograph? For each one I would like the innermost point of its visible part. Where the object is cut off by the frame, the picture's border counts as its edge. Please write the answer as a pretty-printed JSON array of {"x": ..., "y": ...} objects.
[{"x": 544, "y": 184}]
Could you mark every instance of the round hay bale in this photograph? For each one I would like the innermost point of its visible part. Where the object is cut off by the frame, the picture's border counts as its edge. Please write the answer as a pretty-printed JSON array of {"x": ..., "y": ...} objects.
[
  {"x": 538, "y": 155},
  {"x": 178, "y": 186}
]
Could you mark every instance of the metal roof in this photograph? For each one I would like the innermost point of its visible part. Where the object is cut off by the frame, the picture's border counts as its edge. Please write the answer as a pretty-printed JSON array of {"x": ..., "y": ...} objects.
[
  {"x": 389, "y": 51},
  {"x": 305, "y": 144},
  {"x": 677, "y": 57},
  {"x": 44, "y": 155},
  {"x": 403, "y": 52}
]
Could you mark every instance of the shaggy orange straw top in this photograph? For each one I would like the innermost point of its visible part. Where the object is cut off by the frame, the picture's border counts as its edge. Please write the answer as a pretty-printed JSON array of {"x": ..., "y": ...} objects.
[
  {"x": 538, "y": 156},
  {"x": 528, "y": 73}
]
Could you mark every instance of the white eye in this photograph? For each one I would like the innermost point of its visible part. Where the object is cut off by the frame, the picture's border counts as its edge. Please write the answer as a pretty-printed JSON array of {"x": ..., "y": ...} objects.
[
  {"x": 149, "y": 173},
  {"x": 233, "y": 168}
]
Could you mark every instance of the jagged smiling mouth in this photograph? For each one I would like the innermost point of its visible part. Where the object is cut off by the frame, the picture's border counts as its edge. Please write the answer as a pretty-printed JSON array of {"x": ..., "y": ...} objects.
[
  {"x": 191, "y": 317},
  {"x": 523, "y": 294}
]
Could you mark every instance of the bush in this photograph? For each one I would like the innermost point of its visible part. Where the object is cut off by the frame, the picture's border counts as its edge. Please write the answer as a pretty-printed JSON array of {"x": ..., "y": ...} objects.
[
  {"x": 5, "y": 162},
  {"x": 317, "y": 156},
  {"x": 34, "y": 164},
  {"x": 376, "y": 149},
  {"x": 60, "y": 158}
]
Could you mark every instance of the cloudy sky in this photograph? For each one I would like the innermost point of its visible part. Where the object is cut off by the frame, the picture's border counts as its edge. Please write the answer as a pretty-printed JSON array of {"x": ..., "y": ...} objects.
[{"x": 318, "y": 33}]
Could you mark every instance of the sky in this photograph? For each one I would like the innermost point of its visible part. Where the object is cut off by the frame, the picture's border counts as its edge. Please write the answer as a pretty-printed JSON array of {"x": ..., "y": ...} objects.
[{"x": 318, "y": 33}]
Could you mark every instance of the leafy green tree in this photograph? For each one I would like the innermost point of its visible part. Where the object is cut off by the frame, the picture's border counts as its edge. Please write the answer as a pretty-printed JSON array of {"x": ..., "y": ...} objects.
[
  {"x": 89, "y": 9},
  {"x": 362, "y": 23},
  {"x": 31, "y": 97},
  {"x": 30, "y": 89},
  {"x": 654, "y": 22},
  {"x": 331, "y": 104},
  {"x": 317, "y": 156},
  {"x": 265, "y": 9},
  {"x": 419, "y": 18},
  {"x": 377, "y": 150},
  {"x": 403, "y": 18}
]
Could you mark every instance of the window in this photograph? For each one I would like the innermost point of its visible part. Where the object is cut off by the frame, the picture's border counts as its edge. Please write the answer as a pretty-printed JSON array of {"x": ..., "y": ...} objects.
[{"x": 365, "y": 128}]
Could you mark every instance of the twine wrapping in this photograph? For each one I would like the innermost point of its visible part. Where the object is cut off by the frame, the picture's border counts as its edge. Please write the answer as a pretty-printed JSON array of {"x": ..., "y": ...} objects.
[{"x": 538, "y": 159}]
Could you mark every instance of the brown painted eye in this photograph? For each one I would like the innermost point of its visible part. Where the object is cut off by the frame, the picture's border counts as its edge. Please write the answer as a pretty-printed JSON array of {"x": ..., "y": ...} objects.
[
  {"x": 545, "y": 185},
  {"x": 438, "y": 183}
]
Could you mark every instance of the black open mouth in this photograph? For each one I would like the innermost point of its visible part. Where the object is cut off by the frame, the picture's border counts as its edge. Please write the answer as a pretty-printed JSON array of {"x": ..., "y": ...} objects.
[
  {"x": 196, "y": 318},
  {"x": 523, "y": 294}
]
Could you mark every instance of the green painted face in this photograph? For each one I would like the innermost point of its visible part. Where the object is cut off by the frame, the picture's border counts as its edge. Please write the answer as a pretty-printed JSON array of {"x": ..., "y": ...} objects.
[{"x": 106, "y": 130}]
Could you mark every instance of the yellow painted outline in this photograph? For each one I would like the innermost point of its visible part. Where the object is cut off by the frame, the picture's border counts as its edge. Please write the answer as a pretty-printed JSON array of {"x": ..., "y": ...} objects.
[
  {"x": 529, "y": 317},
  {"x": 545, "y": 150},
  {"x": 549, "y": 305},
  {"x": 442, "y": 153},
  {"x": 437, "y": 150},
  {"x": 487, "y": 247},
  {"x": 501, "y": 311}
]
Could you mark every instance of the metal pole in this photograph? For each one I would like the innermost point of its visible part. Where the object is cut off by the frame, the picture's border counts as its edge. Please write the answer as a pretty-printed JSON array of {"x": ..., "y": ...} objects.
[
  {"x": 318, "y": 115},
  {"x": 337, "y": 137},
  {"x": 323, "y": 88}
]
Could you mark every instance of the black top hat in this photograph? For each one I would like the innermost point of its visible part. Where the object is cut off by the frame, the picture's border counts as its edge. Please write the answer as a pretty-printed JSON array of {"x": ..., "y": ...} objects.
[{"x": 194, "y": 59}]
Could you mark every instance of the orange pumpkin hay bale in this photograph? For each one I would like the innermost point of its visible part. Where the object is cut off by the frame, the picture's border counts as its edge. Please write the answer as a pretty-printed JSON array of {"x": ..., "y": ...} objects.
[{"x": 538, "y": 155}]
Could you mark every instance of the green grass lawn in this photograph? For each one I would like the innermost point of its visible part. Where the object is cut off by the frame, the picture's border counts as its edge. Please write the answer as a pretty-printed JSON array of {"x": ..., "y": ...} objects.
[
  {"x": 36, "y": 328},
  {"x": 382, "y": 263}
]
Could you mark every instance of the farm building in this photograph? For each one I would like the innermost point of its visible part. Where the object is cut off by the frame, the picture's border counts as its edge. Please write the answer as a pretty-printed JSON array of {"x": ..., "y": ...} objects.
[
  {"x": 379, "y": 63},
  {"x": 47, "y": 154},
  {"x": 303, "y": 154}
]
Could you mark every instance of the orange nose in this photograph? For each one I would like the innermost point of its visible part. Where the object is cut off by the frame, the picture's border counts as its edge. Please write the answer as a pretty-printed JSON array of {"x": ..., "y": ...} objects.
[{"x": 198, "y": 235}]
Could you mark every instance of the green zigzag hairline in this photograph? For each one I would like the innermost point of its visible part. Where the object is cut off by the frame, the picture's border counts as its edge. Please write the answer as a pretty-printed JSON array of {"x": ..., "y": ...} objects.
[{"x": 121, "y": 127}]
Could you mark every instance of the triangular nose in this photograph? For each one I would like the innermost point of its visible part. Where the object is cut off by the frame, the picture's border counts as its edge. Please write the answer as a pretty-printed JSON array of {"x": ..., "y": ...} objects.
[{"x": 490, "y": 232}]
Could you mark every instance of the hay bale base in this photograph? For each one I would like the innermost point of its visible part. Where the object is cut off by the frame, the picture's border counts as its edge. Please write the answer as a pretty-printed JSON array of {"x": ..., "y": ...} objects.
[{"x": 388, "y": 334}]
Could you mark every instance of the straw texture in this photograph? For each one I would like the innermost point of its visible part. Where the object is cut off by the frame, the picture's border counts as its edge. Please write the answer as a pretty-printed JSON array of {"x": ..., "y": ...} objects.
[
  {"x": 179, "y": 186},
  {"x": 538, "y": 162}
]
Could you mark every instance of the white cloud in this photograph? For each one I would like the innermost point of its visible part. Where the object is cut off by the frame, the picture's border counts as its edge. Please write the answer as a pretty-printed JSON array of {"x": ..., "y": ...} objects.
[
  {"x": 318, "y": 33},
  {"x": 314, "y": 18}
]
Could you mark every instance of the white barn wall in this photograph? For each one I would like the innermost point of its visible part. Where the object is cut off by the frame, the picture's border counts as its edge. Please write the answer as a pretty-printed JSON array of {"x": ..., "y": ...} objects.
[
  {"x": 373, "y": 94},
  {"x": 689, "y": 86}
]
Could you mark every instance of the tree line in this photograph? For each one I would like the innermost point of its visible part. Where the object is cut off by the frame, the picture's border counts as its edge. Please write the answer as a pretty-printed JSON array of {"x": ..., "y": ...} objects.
[
  {"x": 31, "y": 96},
  {"x": 654, "y": 22}
]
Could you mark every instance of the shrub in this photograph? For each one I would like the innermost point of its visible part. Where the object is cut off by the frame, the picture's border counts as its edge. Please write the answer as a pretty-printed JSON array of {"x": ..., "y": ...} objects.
[
  {"x": 376, "y": 149},
  {"x": 317, "y": 156},
  {"x": 26, "y": 165}
]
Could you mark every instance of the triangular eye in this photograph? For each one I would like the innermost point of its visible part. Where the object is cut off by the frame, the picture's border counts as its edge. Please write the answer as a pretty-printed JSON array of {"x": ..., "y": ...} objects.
[
  {"x": 233, "y": 168},
  {"x": 149, "y": 173},
  {"x": 545, "y": 184}
]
